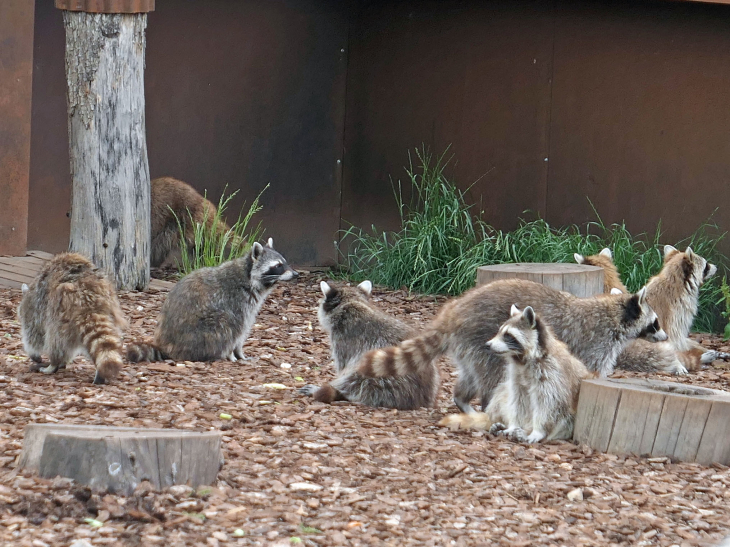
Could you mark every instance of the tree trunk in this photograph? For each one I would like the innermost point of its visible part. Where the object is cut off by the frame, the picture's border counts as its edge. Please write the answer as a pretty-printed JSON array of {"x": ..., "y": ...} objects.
[{"x": 110, "y": 212}]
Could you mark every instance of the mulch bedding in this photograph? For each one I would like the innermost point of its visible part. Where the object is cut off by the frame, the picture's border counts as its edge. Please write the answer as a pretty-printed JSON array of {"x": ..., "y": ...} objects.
[{"x": 298, "y": 472}]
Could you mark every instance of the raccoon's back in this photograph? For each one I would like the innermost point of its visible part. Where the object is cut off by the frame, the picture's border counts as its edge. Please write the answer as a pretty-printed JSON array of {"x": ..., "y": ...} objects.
[
  {"x": 169, "y": 195},
  {"x": 360, "y": 330}
]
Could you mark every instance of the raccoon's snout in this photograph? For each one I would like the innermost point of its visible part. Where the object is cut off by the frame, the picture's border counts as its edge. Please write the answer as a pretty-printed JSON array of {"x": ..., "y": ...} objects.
[
  {"x": 488, "y": 345},
  {"x": 658, "y": 336}
]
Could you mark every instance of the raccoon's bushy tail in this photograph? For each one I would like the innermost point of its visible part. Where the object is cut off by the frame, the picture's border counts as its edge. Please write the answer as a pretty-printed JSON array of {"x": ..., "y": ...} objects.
[
  {"x": 403, "y": 377},
  {"x": 412, "y": 356},
  {"x": 480, "y": 421},
  {"x": 101, "y": 338},
  {"x": 144, "y": 351}
]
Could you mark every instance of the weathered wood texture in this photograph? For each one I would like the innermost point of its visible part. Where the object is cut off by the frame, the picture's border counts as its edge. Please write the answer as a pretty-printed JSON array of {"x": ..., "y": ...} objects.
[
  {"x": 117, "y": 459},
  {"x": 577, "y": 279},
  {"x": 110, "y": 212},
  {"x": 107, "y": 6},
  {"x": 653, "y": 418}
]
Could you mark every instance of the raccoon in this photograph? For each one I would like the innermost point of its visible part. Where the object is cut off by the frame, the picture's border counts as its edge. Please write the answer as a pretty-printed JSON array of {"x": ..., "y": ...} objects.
[
  {"x": 668, "y": 356},
  {"x": 594, "y": 329},
  {"x": 604, "y": 259},
  {"x": 538, "y": 396},
  {"x": 208, "y": 314},
  {"x": 71, "y": 308},
  {"x": 172, "y": 200},
  {"x": 356, "y": 326}
]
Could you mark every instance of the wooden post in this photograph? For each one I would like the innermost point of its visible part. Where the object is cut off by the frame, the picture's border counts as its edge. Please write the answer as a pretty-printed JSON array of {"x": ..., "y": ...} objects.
[
  {"x": 110, "y": 208},
  {"x": 576, "y": 279}
]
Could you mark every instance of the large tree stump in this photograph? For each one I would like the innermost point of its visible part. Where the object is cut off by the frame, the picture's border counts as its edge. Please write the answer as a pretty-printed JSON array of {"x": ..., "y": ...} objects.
[
  {"x": 576, "y": 279},
  {"x": 110, "y": 212},
  {"x": 653, "y": 418},
  {"x": 117, "y": 459}
]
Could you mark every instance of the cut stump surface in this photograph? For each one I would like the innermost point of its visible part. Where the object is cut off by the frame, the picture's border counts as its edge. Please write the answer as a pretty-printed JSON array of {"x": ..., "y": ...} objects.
[
  {"x": 654, "y": 418},
  {"x": 117, "y": 459},
  {"x": 577, "y": 279}
]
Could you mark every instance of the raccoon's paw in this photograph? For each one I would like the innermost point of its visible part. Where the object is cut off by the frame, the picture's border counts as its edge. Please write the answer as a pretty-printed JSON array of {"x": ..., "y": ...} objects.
[
  {"x": 99, "y": 379},
  {"x": 50, "y": 369},
  {"x": 677, "y": 369},
  {"x": 535, "y": 437},
  {"x": 238, "y": 354},
  {"x": 498, "y": 428},
  {"x": 35, "y": 366},
  {"x": 36, "y": 358},
  {"x": 516, "y": 434},
  {"x": 309, "y": 390}
]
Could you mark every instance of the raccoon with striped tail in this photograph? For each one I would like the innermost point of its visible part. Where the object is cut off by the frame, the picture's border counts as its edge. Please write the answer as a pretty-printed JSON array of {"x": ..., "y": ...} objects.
[
  {"x": 674, "y": 294},
  {"x": 355, "y": 326},
  {"x": 208, "y": 314},
  {"x": 71, "y": 308},
  {"x": 538, "y": 397},
  {"x": 595, "y": 330}
]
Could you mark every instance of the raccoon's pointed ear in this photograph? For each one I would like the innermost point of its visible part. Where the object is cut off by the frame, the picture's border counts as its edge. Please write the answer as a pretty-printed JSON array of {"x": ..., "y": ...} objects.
[
  {"x": 514, "y": 310},
  {"x": 616, "y": 291},
  {"x": 24, "y": 288},
  {"x": 641, "y": 296},
  {"x": 366, "y": 287},
  {"x": 607, "y": 253},
  {"x": 668, "y": 250},
  {"x": 579, "y": 258},
  {"x": 256, "y": 250},
  {"x": 326, "y": 289},
  {"x": 689, "y": 252},
  {"x": 270, "y": 243},
  {"x": 528, "y": 314}
]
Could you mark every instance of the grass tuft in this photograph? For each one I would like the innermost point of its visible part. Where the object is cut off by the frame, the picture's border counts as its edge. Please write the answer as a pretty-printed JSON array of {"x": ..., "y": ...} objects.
[
  {"x": 443, "y": 238},
  {"x": 213, "y": 247}
]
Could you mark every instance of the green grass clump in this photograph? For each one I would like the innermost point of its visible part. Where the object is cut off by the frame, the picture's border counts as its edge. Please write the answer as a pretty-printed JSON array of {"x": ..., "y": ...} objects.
[
  {"x": 212, "y": 247},
  {"x": 443, "y": 238}
]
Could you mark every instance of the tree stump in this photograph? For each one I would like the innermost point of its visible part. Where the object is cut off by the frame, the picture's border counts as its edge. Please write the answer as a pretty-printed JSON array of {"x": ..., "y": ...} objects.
[
  {"x": 576, "y": 279},
  {"x": 110, "y": 209},
  {"x": 654, "y": 418},
  {"x": 117, "y": 459}
]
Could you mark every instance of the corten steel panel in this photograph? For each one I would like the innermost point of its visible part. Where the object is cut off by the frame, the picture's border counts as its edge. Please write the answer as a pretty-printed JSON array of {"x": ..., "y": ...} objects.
[
  {"x": 640, "y": 118},
  {"x": 250, "y": 93},
  {"x": 50, "y": 178},
  {"x": 16, "y": 66},
  {"x": 240, "y": 93},
  {"x": 475, "y": 75}
]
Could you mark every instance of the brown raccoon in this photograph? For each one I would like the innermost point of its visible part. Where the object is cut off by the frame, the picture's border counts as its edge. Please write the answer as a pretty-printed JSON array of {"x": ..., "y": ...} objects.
[
  {"x": 604, "y": 259},
  {"x": 538, "y": 396},
  {"x": 594, "y": 329},
  {"x": 71, "y": 308},
  {"x": 172, "y": 200},
  {"x": 355, "y": 327},
  {"x": 675, "y": 303}
]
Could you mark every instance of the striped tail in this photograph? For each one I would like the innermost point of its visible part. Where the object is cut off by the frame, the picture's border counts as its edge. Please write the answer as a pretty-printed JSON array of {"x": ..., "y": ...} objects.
[
  {"x": 102, "y": 341},
  {"x": 480, "y": 421},
  {"x": 144, "y": 351},
  {"x": 412, "y": 356}
]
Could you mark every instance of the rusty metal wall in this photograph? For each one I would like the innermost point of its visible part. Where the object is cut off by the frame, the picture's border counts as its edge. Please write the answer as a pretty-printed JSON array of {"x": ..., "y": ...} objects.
[
  {"x": 550, "y": 103},
  {"x": 16, "y": 65},
  {"x": 242, "y": 94}
]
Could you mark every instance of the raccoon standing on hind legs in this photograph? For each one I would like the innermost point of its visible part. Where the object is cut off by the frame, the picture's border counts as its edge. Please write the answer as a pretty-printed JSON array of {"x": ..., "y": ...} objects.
[
  {"x": 674, "y": 294},
  {"x": 355, "y": 326},
  {"x": 71, "y": 308},
  {"x": 208, "y": 314}
]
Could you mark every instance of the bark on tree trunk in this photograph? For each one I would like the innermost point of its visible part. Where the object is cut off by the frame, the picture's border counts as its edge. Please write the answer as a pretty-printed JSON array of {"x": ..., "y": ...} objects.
[{"x": 110, "y": 212}]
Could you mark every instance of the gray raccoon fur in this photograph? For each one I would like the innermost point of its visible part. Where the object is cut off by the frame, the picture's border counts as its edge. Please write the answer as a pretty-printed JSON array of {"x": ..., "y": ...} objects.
[
  {"x": 71, "y": 308},
  {"x": 208, "y": 314},
  {"x": 356, "y": 326},
  {"x": 594, "y": 329},
  {"x": 673, "y": 293},
  {"x": 538, "y": 397}
]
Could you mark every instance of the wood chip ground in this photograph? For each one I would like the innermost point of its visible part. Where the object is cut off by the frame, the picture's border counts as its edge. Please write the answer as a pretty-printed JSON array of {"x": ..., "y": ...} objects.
[{"x": 298, "y": 472}]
